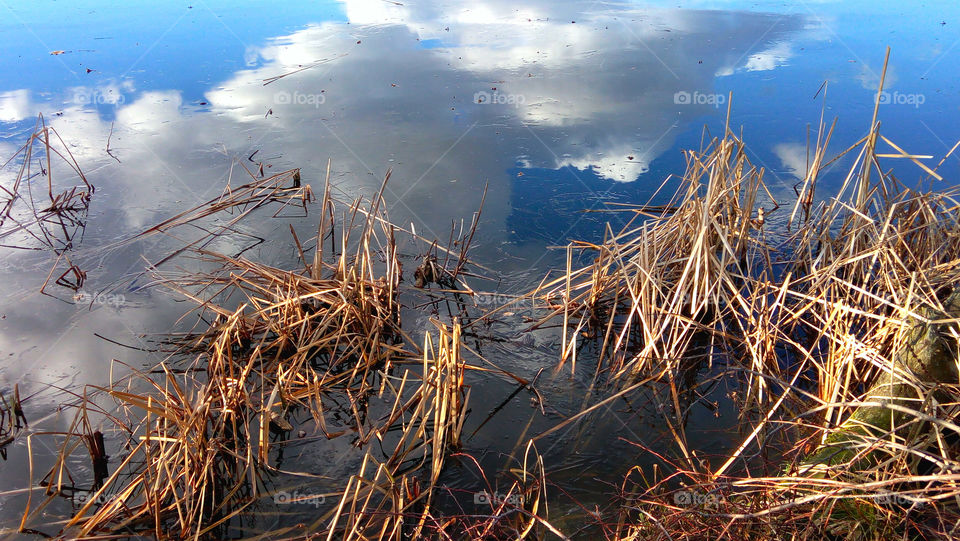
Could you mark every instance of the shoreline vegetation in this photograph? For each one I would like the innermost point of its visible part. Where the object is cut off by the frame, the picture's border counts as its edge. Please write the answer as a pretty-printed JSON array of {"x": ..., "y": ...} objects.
[
  {"x": 832, "y": 320},
  {"x": 838, "y": 331}
]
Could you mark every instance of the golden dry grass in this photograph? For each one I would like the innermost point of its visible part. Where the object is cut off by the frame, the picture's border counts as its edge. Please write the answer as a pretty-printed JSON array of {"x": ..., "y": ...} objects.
[
  {"x": 805, "y": 318},
  {"x": 324, "y": 340},
  {"x": 805, "y": 306}
]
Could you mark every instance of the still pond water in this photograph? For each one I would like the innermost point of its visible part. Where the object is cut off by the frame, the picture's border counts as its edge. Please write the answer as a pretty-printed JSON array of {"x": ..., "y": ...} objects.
[{"x": 557, "y": 106}]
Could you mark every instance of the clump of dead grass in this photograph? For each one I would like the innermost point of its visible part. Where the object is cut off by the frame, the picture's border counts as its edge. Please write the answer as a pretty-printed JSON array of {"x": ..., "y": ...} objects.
[
  {"x": 204, "y": 430},
  {"x": 806, "y": 314}
]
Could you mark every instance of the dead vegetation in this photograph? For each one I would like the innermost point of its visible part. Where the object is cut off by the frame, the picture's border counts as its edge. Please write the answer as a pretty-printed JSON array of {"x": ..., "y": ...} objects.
[
  {"x": 802, "y": 308},
  {"x": 12, "y": 419},
  {"x": 273, "y": 352},
  {"x": 41, "y": 210},
  {"x": 801, "y": 320}
]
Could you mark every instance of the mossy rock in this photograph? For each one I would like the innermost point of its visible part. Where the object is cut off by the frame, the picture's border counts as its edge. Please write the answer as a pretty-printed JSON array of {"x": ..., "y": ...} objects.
[{"x": 929, "y": 356}]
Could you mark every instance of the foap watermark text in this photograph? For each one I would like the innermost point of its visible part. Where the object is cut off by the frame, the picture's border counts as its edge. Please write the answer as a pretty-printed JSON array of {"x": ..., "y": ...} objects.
[
  {"x": 115, "y": 300},
  {"x": 699, "y": 98},
  {"x": 902, "y": 98},
  {"x": 497, "y": 498},
  {"x": 97, "y": 96},
  {"x": 693, "y": 498},
  {"x": 486, "y": 298},
  {"x": 283, "y": 97},
  {"x": 498, "y": 98},
  {"x": 298, "y": 498}
]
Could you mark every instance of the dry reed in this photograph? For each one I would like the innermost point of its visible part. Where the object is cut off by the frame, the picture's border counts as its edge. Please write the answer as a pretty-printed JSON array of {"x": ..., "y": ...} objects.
[
  {"x": 39, "y": 210},
  {"x": 806, "y": 315},
  {"x": 204, "y": 428}
]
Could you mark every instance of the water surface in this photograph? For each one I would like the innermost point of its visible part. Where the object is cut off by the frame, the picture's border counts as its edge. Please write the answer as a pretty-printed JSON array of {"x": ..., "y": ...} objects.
[{"x": 554, "y": 106}]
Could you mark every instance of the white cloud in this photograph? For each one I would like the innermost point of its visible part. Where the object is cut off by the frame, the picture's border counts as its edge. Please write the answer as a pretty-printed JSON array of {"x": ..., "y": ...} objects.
[
  {"x": 593, "y": 93},
  {"x": 151, "y": 110},
  {"x": 15, "y": 105},
  {"x": 869, "y": 77},
  {"x": 793, "y": 157},
  {"x": 614, "y": 164},
  {"x": 771, "y": 58}
]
